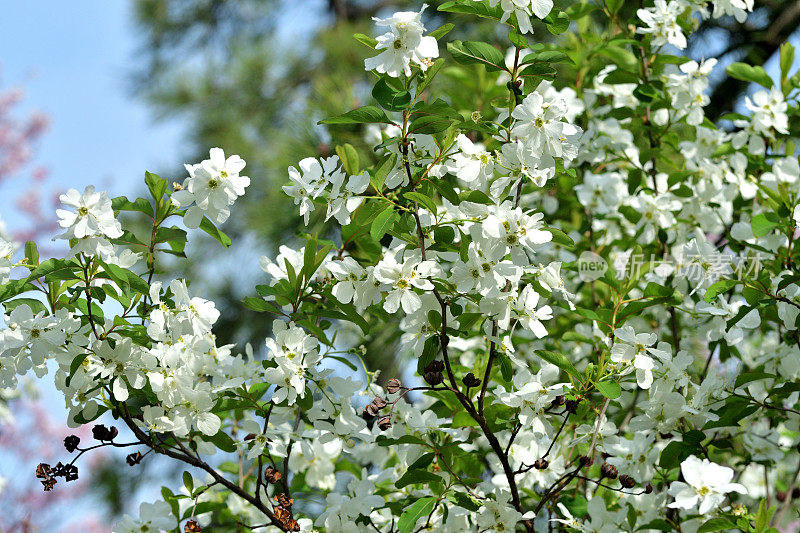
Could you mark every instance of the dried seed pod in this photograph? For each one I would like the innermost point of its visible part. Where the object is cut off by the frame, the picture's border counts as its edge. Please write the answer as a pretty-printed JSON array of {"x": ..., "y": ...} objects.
[
  {"x": 541, "y": 463},
  {"x": 434, "y": 366},
  {"x": 104, "y": 434},
  {"x": 648, "y": 489},
  {"x": 134, "y": 459},
  {"x": 586, "y": 461},
  {"x": 192, "y": 527},
  {"x": 609, "y": 471},
  {"x": 558, "y": 400},
  {"x": 433, "y": 378},
  {"x": 627, "y": 481},
  {"x": 379, "y": 402},
  {"x": 71, "y": 443},
  {"x": 470, "y": 380},
  {"x": 384, "y": 423},
  {"x": 271, "y": 475},
  {"x": 780, "y": 496},
  {"x": 393, "y": 386},
  {"x": 284, "y": 501}
]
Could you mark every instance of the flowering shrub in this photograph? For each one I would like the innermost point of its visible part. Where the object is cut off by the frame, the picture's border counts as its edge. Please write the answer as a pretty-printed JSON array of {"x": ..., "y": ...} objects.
[{"x": 595, "y": 285}]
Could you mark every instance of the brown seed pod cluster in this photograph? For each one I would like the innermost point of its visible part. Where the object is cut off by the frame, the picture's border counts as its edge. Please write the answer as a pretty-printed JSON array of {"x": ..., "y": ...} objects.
[
  {"x": 433, "y": 373},
  {"x": 192, "y": 527},
  {"x": 272, "y": 475},
  {"x": 47, "y": 474},
  {"x": 283, "y": 512}
]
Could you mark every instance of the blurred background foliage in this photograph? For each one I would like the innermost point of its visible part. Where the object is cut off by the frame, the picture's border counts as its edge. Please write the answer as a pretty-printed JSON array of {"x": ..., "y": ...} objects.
[{"x": 255, "y": 76}]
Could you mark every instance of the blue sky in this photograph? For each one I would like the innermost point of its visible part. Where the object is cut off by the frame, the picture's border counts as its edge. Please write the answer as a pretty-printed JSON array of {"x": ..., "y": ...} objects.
[{"x": 74, "y": 61}]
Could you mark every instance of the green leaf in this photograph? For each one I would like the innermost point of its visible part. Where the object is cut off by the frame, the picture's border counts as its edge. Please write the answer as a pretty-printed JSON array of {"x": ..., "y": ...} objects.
[
  {"x": 383, "y": 222},
  {"x": 35, "y": 305},
  {"x": 188, "y": 482},
  {"x": 787, "y": 59},
  {"x": 156, "y": 185},
  {"x": 657, "y": 524},
  {"x": 441, "y": 31},
  {"x": 609, "y": 389},
  {"x": 349, "y": 157},
  {"x": 480, "y": 9},
  {"x": 425, "y": 78},
  {"x": 31, "y": 253},
  {"x": 559, "y": 237},
  {"x": 477, "y": 52},
  {"x": 140, "y": 205},
  {"x": 764, "y": 223},
  {"x": 745, "y": 72},
  {"x": 209, "y": 227},
  {"x": 418, "y": 509},
  {"x": 382, "y": 440},
  {"x": 561, "y": 361},
  {"x": 716, "y": 524},
  {"x": 580, "y": 10},
  {"x": 763, "y": 516},
  {"x": 426, "y": 202},
  {"x": 517, "y": 39},
  {"x": 390, "y": 98},
  {"x": 719, "y": 287},
  {"x": 55, "y": 269},
  {"x": 645, "y": 93},
  {"x": 557, "y": 21},
  {"x": 416, "y": 476},
  {"x": 368, "y": 114},
  {"x": 366, "y": 40}
]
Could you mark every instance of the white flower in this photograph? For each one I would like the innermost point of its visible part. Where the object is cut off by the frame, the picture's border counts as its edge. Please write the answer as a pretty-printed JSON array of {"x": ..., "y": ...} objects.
[
  {"x": 213, "y": 185},
  {"x": 662, "y": 22},
  {"x": 524, "y": 9},
  {"x": 541, "y": 126},
  {"x": 401, "y": 279},
  {"x": 341, "y": 203},
  {"x": 737, "y": 8},
  {"x": 152, "y": 517},
  {"x": 472, "y": 164},
  {"x": 706, "y": 484},
  {"x": 92, "y": 215},
  {"x": 633, "y": 347},
  {"x": 530, "y": 317},
  {"x": 403, "y": 45}
]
